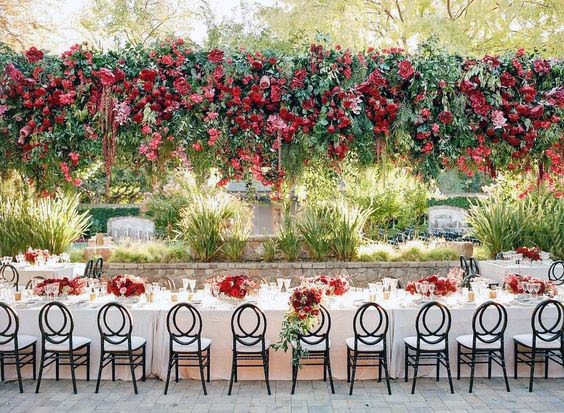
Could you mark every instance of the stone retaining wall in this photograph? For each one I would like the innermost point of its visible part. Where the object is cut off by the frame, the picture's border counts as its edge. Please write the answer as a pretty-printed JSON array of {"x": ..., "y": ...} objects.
[{"x": 361, "y": 272}]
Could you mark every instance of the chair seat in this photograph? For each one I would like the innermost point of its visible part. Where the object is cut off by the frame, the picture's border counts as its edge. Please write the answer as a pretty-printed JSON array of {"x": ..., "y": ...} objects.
[
  {"x": 527, "y": 341},
  {"x": 252, "y": 348},
  {"x": 412, "y": 342},
  {"x": 23, "y": 342},
  {"x": 312, "y": 347},
  {"x": 192, "y": 347},
  {"x": 466, "y": 341},
  {"x": 136, "y": 343},
  {"x": 365, "y": 347},
  {"x": 77, "y": 342}
]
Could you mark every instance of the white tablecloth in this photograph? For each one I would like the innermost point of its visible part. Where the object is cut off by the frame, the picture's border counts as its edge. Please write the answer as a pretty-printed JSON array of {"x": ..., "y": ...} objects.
[
  {"x": 498, "y": 269},
  {"x": 58, "y": 271}
]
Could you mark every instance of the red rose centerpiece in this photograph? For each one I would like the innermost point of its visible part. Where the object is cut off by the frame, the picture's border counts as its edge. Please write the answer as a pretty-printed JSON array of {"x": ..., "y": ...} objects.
[
  {"x": 303, "y": 311},
  {"x": 31, "y": 255},
  {"x": 443, "y": 286},
  {"x": 333, "y": 285},
  {"x": 235, "y": 287},
  {"x": 516, "y": 284},
  {"x": 126, "y": 285},
  {"x": 531, "y": 253},
  {"x": 61, "y": 286}
]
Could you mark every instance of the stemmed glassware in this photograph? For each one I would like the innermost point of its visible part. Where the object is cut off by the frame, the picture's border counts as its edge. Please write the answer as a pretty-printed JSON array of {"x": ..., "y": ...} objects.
[
  {"x": 280, "y": 282},
  {"x": 431, "y": 287}
]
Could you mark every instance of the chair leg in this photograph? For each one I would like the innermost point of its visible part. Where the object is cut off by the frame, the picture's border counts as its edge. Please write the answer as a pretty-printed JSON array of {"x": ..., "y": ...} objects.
[
  {"x": 437, "y": 370},
  {"x": 489, "y": 366},
  {"x": 209, "y": 363},
  {"x": 379, "y": 372},
  {"x": 40, "y": 371},
  {"x": 502, "y": 354},
  {"x": 202, "y": 373},
  {"x": 99, "y": 372},
  {"x": 448, "y": 372},
  {"x": 324, "y": 369},
  {"x": 265, "y": 364},
  {"x": 458, "y": 359},
  {"x": 2, "y": 368},
  {"x": 168, "y": 373},
  {"x": 18, "y": 371},
  {"x": 176, "y": 370},
  {"x": 233, "y": 370},
  {"x": 532, "y": 372},
  {"x": 330, "y": 374},
  {"x": 416, "y": 367},
  {"x": 113, "y": 367},
  {"x": 515, "y": 360},
  {"x": 348, "y": 366},
  {"x": 546, "y": 359},
  {"x": 144, "y": 363},
  {"x": 294, "y": 373},
  {"x": 405, "y": 364},
  {"x": 72, "y": 367},
  {"x": 88, "y": 362},
  {"x": 355, "y": 359},
  {"x": 34, "y": 362},
  {"x": 387, "y": 373},
  {"x": 132, "y": 367},
  {"x": 472, "y": 369},
  {"x": 57, "y": 367}
]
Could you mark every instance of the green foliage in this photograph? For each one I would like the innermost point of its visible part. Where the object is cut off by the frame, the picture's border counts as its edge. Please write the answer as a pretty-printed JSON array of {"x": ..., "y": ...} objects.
[
  {"x": 235, "y": 238},
  {"x": 348, "y": 222},
  {"x": 412, "y": 251},
  {"x": 269, "y": 247},
  {"x": 315, "y": 224},
  {"x": 150, "y": 252},
  {"x": 100, "y": 215},
  {"x": 164, "y": 210},
  {"x": 455, "y": 201},
  {"x": 46, "y": 223},
  {"x": 288, "y": 238}
]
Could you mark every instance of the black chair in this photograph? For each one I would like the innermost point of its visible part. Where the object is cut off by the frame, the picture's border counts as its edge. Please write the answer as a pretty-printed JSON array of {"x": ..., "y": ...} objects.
[
  {"x": 15, "y": 349},
  {"x": 58, "y": 345},
  {"x": 88, "y": 269},
  {"x": 118, "y": 346},
  {"x": 474, "y": 268},
  {"x": 469, "y": 266},
  {"x": 248, "y": 326},
  {"x": 166, "y": 281},
  {"x": 430, "y": 343},
  {"x": 315, "y": 341},
  {"x": 466, "y": 281},
  {"x": 10, "y": 274},
  {"x": 186, "y": 344},
  {"x": 546, "y": 340},
  {"x": 556, "y": 273},
  {"x": 29, "y": 284},
  {"x": 486, "y": 343},
  {"x": 97, "y": 270},
  {"x": 369, "y": 342}
]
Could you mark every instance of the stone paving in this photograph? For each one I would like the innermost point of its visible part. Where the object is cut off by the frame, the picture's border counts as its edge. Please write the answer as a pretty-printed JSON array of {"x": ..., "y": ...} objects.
[{"x": 310, "y": 397}]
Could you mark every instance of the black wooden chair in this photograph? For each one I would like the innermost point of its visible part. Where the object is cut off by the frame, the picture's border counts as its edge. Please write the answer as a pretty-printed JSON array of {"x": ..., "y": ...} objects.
[
  {"x": 10, "y": 274},
  {"x": 315, "y": 341},
  {"x": 546, "y": 340},
  {"x": 248, "y": 327},
  {"x": 58, "y": 345},
  {"x": 88, "y": 269},
  {"x": 98, "y": 268},
  {"x": 469, "y": 266},
  {"x": 431, "y": 342},
  {"x": 369, "y": 344},
  {"x": 166, "y": 282},
  {"x": 184, "y": 324},
  {"x": 15, "y": 349},
  {"x": 486, "y": 343},
  {"x": 29, "y": 284},
  {"x": 556, "y": 273},
  {"x": 118, "y": 346}
]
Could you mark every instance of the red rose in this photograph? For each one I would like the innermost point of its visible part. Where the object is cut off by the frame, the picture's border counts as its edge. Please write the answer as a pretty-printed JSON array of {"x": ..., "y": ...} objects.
[
  {"x": 405, "y": 69},
  {"x": 182, "y": 86},
  {"x": 529, "y": 93},
  {"x": 507, "y": 80},
  {"x": 148, "y": 75},
  {"x": 216, "y": 56},
  {"x": 106, "y": 76},
  {"x": 445, "y": 117},
  {"x": 33, "y": 55}
]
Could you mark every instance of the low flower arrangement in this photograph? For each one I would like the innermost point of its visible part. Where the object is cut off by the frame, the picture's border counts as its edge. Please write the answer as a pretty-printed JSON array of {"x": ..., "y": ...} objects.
[
  {"x": 126, "y": 285},
  {"x": 232, "y": 286},
  {"x": 32, "y": 254},
  {"x": 514, "y": 286},
  {"x": 444, "y": 286},
  {"x": 531, "y": 253},
  {"x": 75, "y": 286},
  {"x": 304, "y": 308},
  {"x": 333, "y": 285}
]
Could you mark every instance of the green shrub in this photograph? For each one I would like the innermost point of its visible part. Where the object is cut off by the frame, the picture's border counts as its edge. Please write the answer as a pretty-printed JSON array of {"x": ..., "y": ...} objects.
[
  {"x": 150, "y": 252},
  {"x": 409, "y": 254},
  {"x": 346, "y": 229},
  {"x": 440, "y": 254},
  {"x": 99, "y": 216},
  {"x": 164, "y": 211},
  {"x": 269, "y": 249},
  {"x": 77, "y": 255},
  {"x": 235, "y": 238},
  {"x": 374, "y": 252},
  {"x": 288, "y": 238},
  {"x": 455, "y": 201},
  {"x": 315, "y": 223}
]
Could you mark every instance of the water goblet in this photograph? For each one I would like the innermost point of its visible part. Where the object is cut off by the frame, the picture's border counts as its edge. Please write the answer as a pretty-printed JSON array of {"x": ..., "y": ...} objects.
[
  {"x": 122, "y": 292},
  {"x": 192, "y": 283},
  {"x": 431, "y": 288},
  {"x": 280, "y": 282},
  {"x": 536, "y": 288},
  {"x": 424, "y": 289},
  {"x": 185, "y": 283}
]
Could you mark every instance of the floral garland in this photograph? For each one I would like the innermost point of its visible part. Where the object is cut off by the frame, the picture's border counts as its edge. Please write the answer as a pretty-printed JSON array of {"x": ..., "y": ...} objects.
[
  {"x": 513, "y": 281},
  {"x": 333, "y": 285},
  {"x": 304, "y": 309},
  {"x": 531, "y": 253},
  {"x": 443, "y": 285},
  {"x": 232, "y": 286},
  {"x": 32, "y": 254},
  {"x": 126, "y": 285},
  {"x": 75, "y": 286}
]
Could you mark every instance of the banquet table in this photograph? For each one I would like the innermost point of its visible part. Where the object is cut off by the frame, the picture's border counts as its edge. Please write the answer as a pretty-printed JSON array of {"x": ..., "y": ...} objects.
[
  {"x": 149, "y": 321},
  {"x": 28, "y": 272},
  {"x": 498, "y": 269}
]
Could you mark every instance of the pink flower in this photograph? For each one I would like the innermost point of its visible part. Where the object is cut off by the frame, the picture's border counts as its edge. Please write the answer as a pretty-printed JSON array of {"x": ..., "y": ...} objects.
[
  {"x": 405, "y": 69},
  {"x": 33, "y": 55},
  {"x": 215, "y": 56},
  {"x": 445, "y": 117},
  {"x": 214, "y": 134},
  {"x": 498, "y": 119}
]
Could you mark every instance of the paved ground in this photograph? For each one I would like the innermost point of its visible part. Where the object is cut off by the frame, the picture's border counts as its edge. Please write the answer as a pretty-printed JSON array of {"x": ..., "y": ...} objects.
[{"x": 310, "y": 397}]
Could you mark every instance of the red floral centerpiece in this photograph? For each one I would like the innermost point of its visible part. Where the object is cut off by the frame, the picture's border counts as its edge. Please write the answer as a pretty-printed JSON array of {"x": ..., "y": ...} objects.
[
  {"x": 531, "y": 253},
  {"x": 75, "y": 286},
  {"x": 513, "y": 281},
  {"x": 130, "y": 285},
  {"x": 32, "y": 254},
  {"x": 443, "y": 285},
  {"x": 333, "y": 285},
  {"x": 304, "y": 307},
  {"x": 232, "y": 286}
]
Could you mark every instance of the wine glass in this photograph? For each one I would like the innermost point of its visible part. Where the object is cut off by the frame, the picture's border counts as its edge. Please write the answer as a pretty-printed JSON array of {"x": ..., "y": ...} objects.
[
  {"x": 122, "y": 292},
  {"x": 536, "y": 288},
  {"x": 287, "y": 283},
  {"x": 185, "y": 283},
  {"x": 280, "y": 282},
  {"x": 431, "y": 288},
  {"x": 418, "y": 287},
  {"x": 192, "y": 282},
  {"x": 424, "y": 289}
]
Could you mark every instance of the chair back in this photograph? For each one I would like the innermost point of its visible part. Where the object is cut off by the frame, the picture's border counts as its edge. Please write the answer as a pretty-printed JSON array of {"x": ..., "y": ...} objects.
[
  {"x": 466, "y": 281},
  {"x": 433, "y": 323},
  {"x": 10, "y": 274},
  {"x": 248, "y": 326},
  {"x": 370, "y": 327},
  {"x": 114, "y": 324},
  {"x": 9, "y": 325},
  {"x": 88, "y": 268},
  {"x": 166, "y": 281},
  {"x": 29, "y": 284},
  {"x": 465, "y": 265},
  {"x": 184, "y": 324},
  {"x": 548, "y": 324},
  {"x": 556, "y": 272},
  {"x": 489, "y": 323},
  {"x": 98, "y": 267},
  {"x": 320, "y": 331},
  {"x": 56, "y": 323},
  {"x": 474, "y": 269}
]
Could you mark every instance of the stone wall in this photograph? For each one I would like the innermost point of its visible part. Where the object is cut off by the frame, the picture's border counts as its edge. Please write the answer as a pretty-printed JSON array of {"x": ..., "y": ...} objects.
[{"x": 361, "y": 272}]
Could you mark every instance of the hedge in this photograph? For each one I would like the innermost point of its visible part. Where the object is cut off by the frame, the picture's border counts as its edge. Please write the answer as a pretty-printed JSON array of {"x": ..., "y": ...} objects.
[{"x": 101, "y": 215}]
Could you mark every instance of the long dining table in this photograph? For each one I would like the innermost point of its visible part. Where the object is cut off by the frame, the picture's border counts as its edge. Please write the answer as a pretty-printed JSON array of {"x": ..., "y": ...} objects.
[{"x": 149, "y": 321}]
